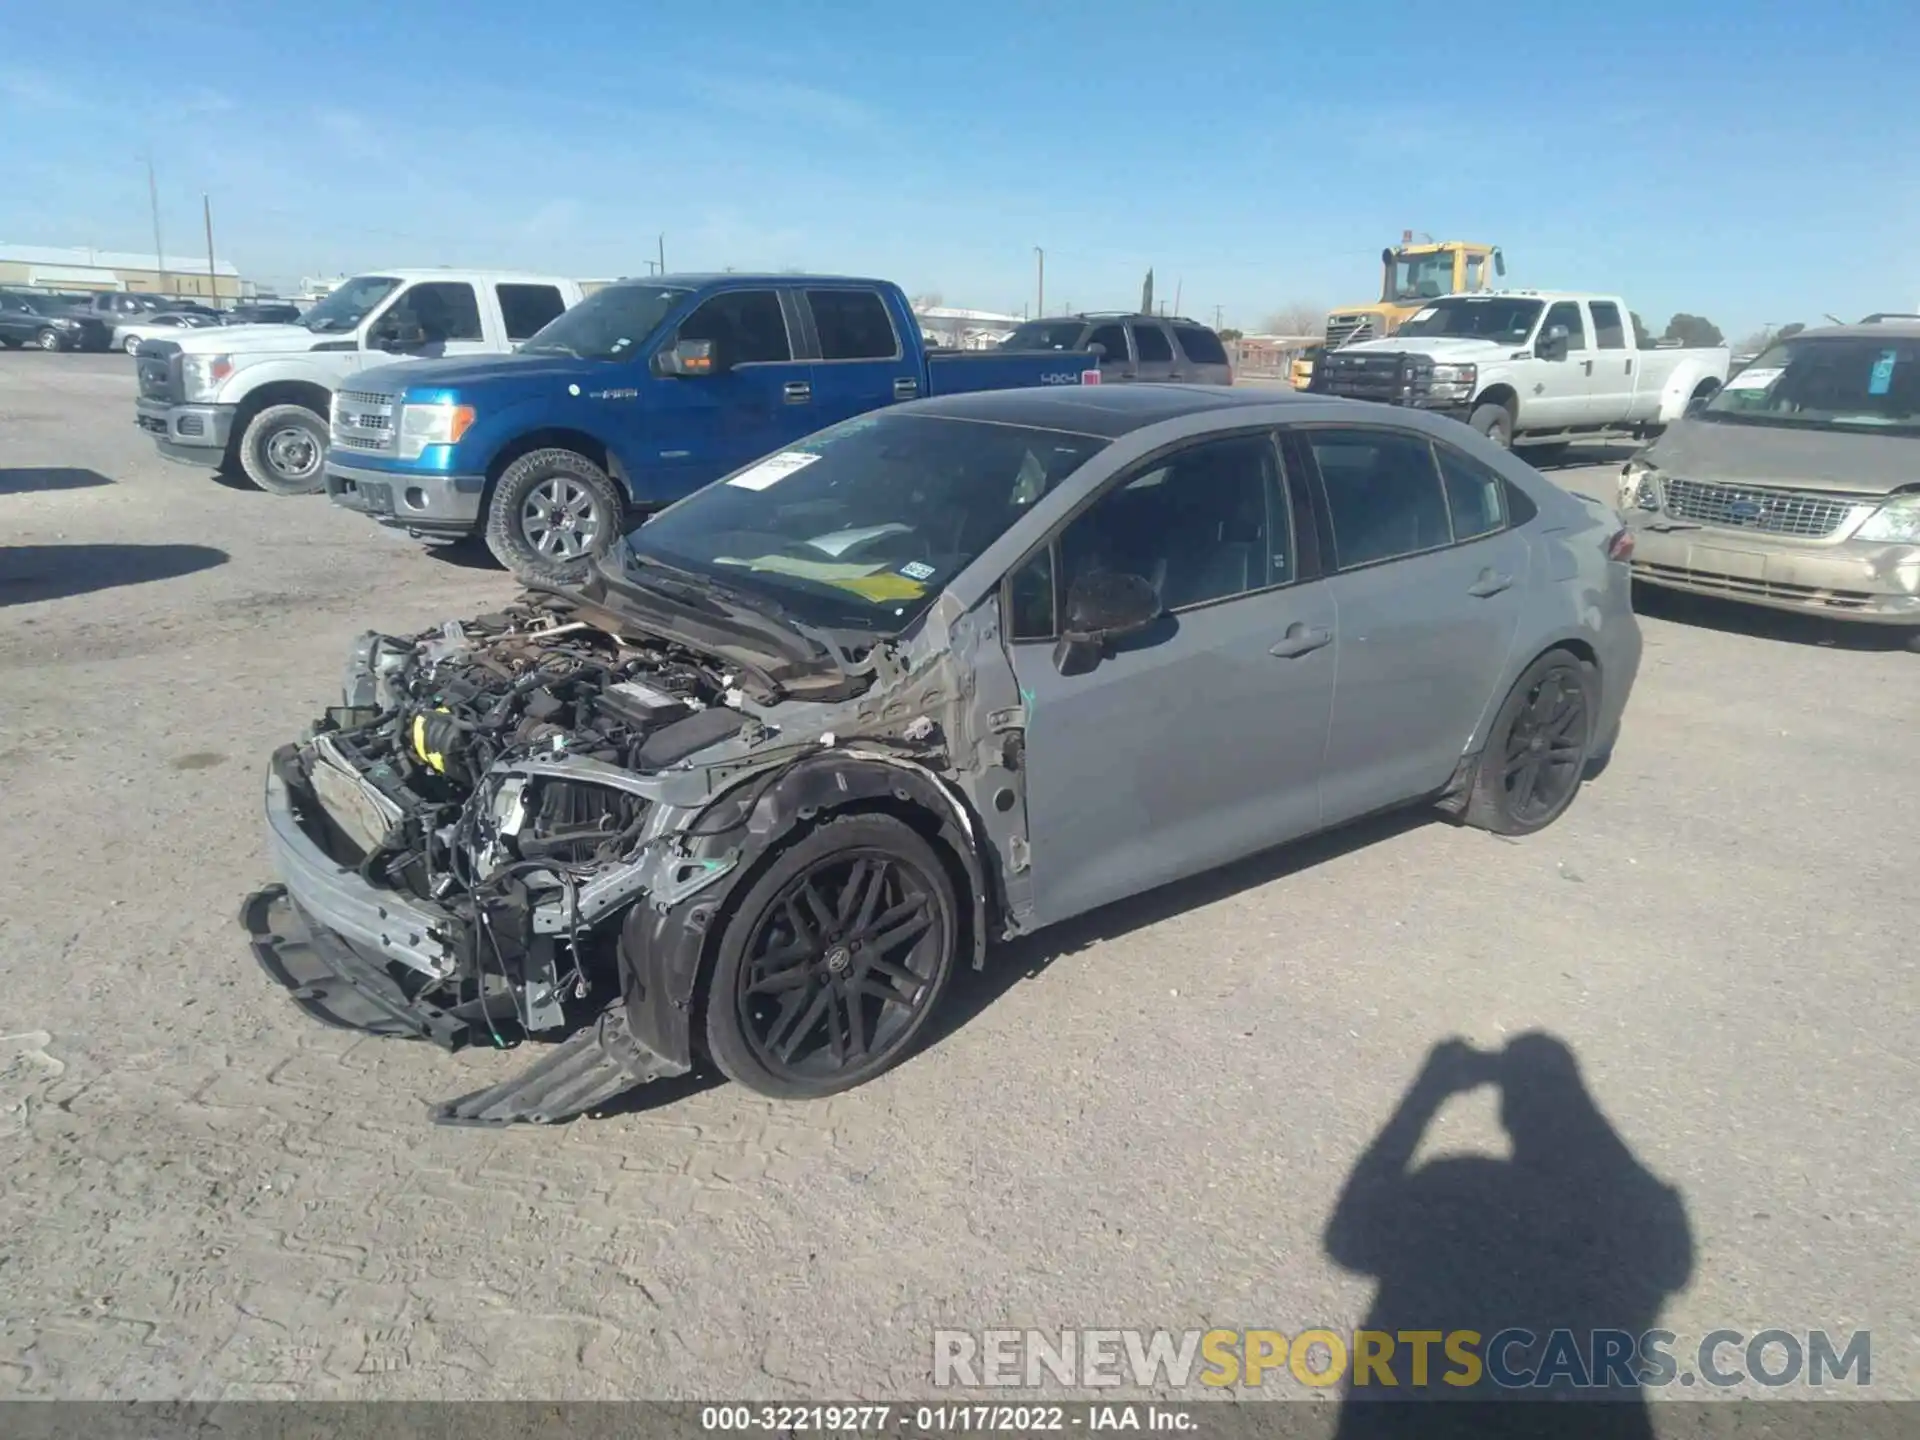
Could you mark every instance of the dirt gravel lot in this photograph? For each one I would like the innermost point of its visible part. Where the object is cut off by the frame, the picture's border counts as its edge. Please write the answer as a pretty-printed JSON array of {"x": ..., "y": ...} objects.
[{"x": 1144, "y": 1121}]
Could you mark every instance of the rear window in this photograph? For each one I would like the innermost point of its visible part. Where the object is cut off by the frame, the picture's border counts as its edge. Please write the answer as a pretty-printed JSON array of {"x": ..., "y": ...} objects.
[
  {"x": 1201, "y": 344},
  {"x": 852, "y": 325},
  {"x": 528, "y": 308},
  {"x": 1150, "y": 342}
]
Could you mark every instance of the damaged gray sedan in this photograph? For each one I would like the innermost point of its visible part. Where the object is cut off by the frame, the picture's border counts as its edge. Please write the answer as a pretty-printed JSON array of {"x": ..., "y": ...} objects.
[{"x": 811, "y": 739}]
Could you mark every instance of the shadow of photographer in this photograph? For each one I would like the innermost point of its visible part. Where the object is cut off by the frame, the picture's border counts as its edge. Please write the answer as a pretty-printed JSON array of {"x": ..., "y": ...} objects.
[{"x": 1570, "y": 1234}]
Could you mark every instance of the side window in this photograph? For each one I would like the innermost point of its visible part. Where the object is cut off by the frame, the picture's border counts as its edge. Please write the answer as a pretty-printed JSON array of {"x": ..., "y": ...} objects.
[
  {"x": 1473, "y": 494},
  {"x": 1383, "y": 494},
  {"x": 1114, "y": 337},
  {"x": 1608, "y": 332},
  {"x": 1202, "y": 345},
  {"x": 1151, "y": 343},
  {"x": 1030, "y": 599},
  {"x": 1475, "y": 267},
  {"x": 528, "y": 308},
  {"x": 745, "y": 326},
  {"x": 1567, "y": 313},
  {"x": 852, "y": 325},
  {"x": 1203, "y": 524},
  {"x": 444, "y": 309}
]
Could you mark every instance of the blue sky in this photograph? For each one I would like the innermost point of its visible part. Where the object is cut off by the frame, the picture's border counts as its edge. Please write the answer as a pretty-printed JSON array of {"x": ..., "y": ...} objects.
[{"x": 1753, "y": 162}]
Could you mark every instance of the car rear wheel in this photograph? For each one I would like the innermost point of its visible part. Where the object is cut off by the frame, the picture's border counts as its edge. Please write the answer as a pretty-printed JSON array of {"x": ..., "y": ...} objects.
[
  {"x": 1537, "y": 749},
  {"x": 48, "y": 339},
  {"x": 552, "y": 512},
  {"x": 831, "y": 964},
  {"x": 1495, "y": 422},
  {"x": 284, "y": 450},
  {"x": 130, "y": 344}
]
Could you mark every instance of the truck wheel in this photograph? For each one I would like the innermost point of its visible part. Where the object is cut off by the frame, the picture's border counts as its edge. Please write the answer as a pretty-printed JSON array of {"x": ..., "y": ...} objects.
[
  {"x": 48, "y": 339},
  {"x": 829, "y": 967},
  {"x": 1494, "y": 422},
  {"x": 552, "y": 512},
  {"x": 284, "y": 450}
]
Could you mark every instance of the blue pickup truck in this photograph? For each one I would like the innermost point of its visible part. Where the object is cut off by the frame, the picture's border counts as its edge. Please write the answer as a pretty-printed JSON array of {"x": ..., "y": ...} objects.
[{"x": 640, "y": 394}]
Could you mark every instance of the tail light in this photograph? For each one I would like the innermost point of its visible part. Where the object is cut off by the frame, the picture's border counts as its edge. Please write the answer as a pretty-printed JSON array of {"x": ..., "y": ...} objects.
[{"x": 1620, "y": 546}]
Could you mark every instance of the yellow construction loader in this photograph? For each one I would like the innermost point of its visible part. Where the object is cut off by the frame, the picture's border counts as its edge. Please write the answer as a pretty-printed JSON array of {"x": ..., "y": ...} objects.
[{"x": 1411, "y": 274}]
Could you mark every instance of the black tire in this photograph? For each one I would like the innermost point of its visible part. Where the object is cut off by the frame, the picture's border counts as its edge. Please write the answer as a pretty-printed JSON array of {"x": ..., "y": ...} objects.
[
  {"x": 1495, "y": 422},
  {"x": 798, "y": 966},
  {"x": 1538, "y": 455},
  {"x": 131, "y": 344},
  {"x": 284, "y": 450},
  {"x": 582, "y": 506},
  {"x": 47, "y": 339},
  {"x": 1542, "y": 736}
]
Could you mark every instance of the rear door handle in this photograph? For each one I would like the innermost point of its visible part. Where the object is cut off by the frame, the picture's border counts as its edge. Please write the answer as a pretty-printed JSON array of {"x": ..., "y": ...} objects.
[
  {"x": 1301, "y": 640},
  {"x": 905, "y": 388},
  {"x": 1490, "y": 583},
  {"x": 797, "y": 392}
]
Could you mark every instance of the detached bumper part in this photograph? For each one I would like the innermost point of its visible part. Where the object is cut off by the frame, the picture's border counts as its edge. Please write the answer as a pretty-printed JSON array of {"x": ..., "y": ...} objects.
[{"x": 579, "y": 1075}]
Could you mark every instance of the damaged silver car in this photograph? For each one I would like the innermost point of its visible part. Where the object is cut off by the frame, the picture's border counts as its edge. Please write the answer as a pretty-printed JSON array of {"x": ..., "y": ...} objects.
[{"x": 812, "y": 738}]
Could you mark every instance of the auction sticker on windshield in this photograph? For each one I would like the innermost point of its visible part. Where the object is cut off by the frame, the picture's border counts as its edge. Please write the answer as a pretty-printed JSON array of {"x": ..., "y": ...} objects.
[
  {"x": 1754, "y": 379},
  {"x": 772, "y": 470}
]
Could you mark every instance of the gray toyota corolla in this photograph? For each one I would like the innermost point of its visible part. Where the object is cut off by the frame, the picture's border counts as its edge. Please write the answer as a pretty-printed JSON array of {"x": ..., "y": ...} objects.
[{"x": 817, "y": 735}]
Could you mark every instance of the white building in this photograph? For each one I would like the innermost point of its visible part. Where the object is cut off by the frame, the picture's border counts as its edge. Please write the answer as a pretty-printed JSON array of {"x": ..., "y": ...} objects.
[
  {"x": 45, "y": 267},
  {"x": 965, "y": 329}
]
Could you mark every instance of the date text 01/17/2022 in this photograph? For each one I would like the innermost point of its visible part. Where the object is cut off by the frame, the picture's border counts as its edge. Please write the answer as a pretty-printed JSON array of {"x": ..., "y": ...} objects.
[{"x": 942, "y": 1419}]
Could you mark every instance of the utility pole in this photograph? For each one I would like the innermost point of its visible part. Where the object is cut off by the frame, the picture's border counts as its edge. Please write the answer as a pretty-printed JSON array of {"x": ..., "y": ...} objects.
[
  {"x": 1040, "y": 290},
  {"x": 153, "y": 202},
  {"x": 663, "y": 252},
  {"x": 213, "y": 278},
  {"x": 1216, "y": 317},
  {"x": 1176, "y": 295}
]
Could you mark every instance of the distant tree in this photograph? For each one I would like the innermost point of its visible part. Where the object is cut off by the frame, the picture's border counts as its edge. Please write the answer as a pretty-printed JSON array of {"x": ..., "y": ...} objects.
[
  {"x": 1754, "y": 343},
  {"x": 1642, "y": 337},
  {"x": 1693, "y": 330},
  {"x": 932, "y": 300},
  {"x": 1231, "y": 334},
  {"x": 1298, "y": 318}
]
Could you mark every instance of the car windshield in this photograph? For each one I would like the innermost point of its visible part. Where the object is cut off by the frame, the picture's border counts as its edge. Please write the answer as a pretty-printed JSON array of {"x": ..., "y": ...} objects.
[
  {"x": 860, "y": 526},
  {"x": 1046, "y": 335},
  {"x": 348, "y": 305},
  {"x": 609, "y": 324},
  {"x": 1837, "y": 382},
  {"x": 1419, "y": 277},
  {"x": 1469, "y": 317}
]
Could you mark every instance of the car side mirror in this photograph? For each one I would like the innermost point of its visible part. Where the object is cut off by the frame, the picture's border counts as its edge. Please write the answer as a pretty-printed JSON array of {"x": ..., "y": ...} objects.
[
  {"x": 394, "y": 334},
  {"x": 689, "y": 359},
  {"x": 1102, "y": 607},
  {"x": 1097, "y": 350},
  {"x": 1553, "y": 343}
]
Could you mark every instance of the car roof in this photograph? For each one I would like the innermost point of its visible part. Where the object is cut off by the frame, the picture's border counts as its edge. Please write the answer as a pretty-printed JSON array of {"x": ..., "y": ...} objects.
[
  {"x": 1107, "y": 411},
  {"x": 410, "y": 273},
  {"x": 1903, "y": 326},
  {"x": 745, "y": 277}
]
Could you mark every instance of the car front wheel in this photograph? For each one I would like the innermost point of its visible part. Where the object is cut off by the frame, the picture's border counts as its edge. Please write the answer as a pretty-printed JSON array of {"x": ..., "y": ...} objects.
[
  {"x": 284, "y": 450},
  {"x": 1537, "y": 750},
  {"x": 551, "y": 513},
  {"x": 832, "y": 962},
  {"x": 130, "y": 344},
  {"x": 48, "y": 339}
]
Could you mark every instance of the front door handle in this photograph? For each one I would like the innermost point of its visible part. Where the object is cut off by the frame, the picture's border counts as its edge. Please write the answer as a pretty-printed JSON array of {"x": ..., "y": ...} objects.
[
  {"x": 1301, "y": 640},
  {"x": 1491, "y": 582},
  {"x": 797, "y": 392},
  {"x": 1586, "y": 367}
]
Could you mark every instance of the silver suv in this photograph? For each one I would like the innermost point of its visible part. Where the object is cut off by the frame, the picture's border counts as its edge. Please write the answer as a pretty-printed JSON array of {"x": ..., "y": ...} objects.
[{"x": 1155, "y": 348}]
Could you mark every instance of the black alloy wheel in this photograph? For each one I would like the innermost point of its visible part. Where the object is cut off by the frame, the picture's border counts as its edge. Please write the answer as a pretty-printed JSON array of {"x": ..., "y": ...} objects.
[
  {"x": 834, "y": 961},
  {"x": 1537, "y": 751}
]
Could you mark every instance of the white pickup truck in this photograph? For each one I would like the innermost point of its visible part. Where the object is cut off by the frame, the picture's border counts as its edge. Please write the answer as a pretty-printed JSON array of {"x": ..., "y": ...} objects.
[
  {"x": 1528, "y": 368},
  {"x": 258, "y": 395}
]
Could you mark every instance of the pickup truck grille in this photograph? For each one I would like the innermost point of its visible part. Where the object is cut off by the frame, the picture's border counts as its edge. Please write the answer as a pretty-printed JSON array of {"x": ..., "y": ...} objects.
[
  {"x": 1350, "y": 330},
  {"x": 362, "y": 420},
  {"x": 158, "y": 367},
  {"x": 1760, "y": 508},
  {"x": 1369, "y": 376}
]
